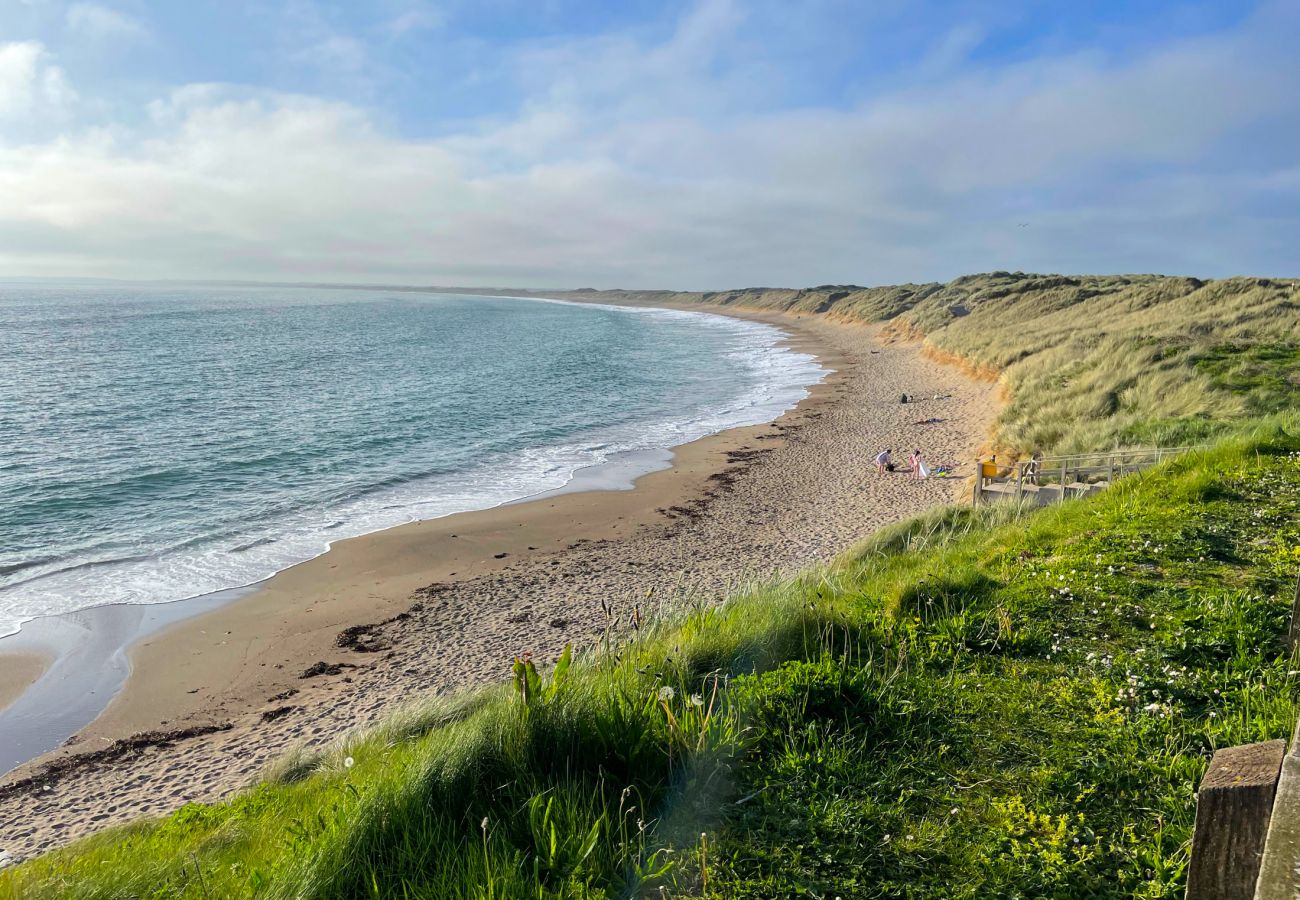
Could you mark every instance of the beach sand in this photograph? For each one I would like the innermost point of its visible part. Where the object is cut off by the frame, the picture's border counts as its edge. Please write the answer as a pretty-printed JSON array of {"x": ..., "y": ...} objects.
[
  {"x": 445, "y": 604},
  {"x": 18, "y": 672}
]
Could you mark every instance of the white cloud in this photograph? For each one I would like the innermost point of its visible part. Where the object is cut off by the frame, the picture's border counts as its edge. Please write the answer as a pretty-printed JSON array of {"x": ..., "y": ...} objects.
[
  {"x": 337, "y": 52},
  {"x": 30, "y": 84},
  {"x": 98, "y": 22},
  {"x": 629, "y": 164},
  {"x": 414, "y": 17}
]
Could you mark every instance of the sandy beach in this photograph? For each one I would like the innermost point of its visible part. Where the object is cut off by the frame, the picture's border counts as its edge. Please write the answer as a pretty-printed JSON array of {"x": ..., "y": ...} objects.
[{"x": 442, "y": 605}]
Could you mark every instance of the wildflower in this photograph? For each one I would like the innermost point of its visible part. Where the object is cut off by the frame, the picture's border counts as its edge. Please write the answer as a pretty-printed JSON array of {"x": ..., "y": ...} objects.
[
  {"x": 953, "y": 811},
  {"x": 349, "y": 762},
  {"x": 666, "y": 693},
  {"x": 696, "y": 700}
]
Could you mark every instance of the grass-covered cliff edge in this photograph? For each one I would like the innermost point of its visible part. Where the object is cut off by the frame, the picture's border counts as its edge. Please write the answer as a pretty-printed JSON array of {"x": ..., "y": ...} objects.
[
  {"x": 1088, "y": 362},
  {"x": 978, "y": 703}
]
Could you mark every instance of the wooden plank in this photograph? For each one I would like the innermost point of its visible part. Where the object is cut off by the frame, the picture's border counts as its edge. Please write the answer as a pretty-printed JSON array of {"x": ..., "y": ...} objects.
[
  {"x": 1233, "y": 808},
  {"x": 1279, "y": 873}
]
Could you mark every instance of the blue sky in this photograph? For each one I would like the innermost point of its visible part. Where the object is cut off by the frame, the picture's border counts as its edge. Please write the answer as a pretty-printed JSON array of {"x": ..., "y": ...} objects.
[{"x": 693, "y": 144}]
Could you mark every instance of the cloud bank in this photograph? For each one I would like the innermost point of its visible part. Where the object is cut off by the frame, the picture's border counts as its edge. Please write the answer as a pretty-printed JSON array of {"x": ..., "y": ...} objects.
[{"x": 649, "y": 162}]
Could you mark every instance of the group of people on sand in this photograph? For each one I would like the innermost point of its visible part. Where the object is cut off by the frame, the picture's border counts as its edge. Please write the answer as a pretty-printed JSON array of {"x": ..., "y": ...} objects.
[{"x": 916, "y": 467}]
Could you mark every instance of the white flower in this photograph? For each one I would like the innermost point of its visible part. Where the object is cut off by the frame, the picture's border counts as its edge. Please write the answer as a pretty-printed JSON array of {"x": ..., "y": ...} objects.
[
  {"x": 696, "y": 700},
  {"x": 666, "y": 693},
  {"x": 349, "y": 762}
]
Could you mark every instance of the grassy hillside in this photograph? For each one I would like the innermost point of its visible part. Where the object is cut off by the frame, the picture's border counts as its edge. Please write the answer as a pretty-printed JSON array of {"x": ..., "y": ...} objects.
[
  {"x": 968, "y": 705},
  {"x": 1088, "y": 362},
  {"x": 977, "y": 703}
]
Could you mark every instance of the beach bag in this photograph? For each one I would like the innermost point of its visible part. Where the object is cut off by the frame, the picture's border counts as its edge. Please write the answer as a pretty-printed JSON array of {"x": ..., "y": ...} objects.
[{"x": 889, "y": 467}]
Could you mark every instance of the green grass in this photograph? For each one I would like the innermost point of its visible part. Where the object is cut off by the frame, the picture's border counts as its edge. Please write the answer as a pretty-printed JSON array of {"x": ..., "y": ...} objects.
[
  {"x": 971, "y": 704},
  {"x": 1266, "y": 376},
  {"x": 1036, "y": 722}
]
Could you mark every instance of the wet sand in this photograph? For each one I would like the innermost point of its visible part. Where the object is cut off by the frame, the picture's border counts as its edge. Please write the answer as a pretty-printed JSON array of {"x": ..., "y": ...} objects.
[
  {"x": 438, "y": 606},
  {"x": 18, "y": 672}
]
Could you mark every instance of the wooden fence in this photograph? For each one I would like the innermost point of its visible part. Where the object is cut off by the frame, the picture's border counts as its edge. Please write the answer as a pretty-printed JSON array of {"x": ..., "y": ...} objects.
[{"x": 1053, "y": 479}]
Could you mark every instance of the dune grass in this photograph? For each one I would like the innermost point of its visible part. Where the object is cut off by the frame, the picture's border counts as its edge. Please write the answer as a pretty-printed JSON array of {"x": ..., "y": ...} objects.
[
  {"x": 975, "y": 703},
  {"x": 1088, "y": 362}
]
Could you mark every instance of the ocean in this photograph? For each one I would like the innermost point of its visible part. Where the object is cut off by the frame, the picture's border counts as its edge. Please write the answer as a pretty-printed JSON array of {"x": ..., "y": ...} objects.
[{"x": 159, "y": 443}]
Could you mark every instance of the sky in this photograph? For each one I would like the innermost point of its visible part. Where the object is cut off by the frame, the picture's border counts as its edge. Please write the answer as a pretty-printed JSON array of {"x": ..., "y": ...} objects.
[{"x": 690, "y": 144}]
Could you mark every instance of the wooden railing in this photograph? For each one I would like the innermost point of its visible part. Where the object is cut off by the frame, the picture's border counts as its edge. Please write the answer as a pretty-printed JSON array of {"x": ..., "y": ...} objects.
[{"x": 1062, "y": 476}]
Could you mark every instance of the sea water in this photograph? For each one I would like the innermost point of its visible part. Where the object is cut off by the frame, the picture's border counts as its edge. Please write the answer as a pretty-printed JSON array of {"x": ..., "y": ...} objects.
[{"x": 158, "y": 443}]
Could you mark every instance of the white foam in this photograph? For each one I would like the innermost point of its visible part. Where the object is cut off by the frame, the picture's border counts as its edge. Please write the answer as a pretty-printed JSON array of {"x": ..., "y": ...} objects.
[{"x": 781, "y": 380}]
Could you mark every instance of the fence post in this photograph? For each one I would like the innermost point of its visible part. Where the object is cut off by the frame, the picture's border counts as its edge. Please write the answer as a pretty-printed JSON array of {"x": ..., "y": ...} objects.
[
  {"x": 979, "y": 482},
  {"x": 1233, "y": 808}
]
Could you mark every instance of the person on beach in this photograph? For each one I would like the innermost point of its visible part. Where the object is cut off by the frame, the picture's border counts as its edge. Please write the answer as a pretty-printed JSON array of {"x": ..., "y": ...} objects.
[
  {"x": 917, "y": 463},
  {"x": 883, "y": 462},
  {"x": 1031, "y": 469}
]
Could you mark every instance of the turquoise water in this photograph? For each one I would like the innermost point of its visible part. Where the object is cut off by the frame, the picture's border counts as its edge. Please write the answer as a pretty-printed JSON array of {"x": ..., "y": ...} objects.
[{"x": 162, "y": 443}]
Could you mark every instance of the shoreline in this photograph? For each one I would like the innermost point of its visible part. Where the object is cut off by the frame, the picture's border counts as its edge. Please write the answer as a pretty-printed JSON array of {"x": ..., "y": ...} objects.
[
  {"x": 748, "y": 502},
  {"x": 91, "y": 653}
]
